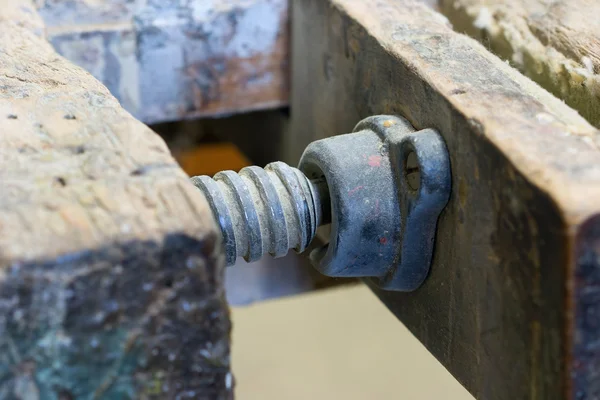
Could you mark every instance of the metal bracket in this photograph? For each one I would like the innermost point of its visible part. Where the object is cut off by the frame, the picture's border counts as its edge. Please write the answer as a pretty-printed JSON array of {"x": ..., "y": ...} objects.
[
  {"x": 382, "y": 187},
  {"x": 387, "y": 185}
]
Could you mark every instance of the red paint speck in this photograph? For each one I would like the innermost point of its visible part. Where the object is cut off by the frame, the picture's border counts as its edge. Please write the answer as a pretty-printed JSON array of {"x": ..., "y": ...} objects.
[
  {"x": 383, "y": 240},
  {"x": 356, "y": 189},
  {"x": 375, "y": 161}
]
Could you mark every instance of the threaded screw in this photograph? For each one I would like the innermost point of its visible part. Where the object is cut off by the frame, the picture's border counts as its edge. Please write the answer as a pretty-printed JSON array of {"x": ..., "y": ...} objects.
[{"x": 268, "y": 210}]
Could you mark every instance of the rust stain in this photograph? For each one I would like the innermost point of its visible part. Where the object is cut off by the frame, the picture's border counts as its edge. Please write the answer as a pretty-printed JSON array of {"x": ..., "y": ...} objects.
[
  {"x": 216, "y": 83},
  {"x": 243, "y": 65}
]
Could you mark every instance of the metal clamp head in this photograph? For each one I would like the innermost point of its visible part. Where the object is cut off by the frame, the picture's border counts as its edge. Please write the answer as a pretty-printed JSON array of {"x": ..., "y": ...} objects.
[{"x": 388, "y": 185}]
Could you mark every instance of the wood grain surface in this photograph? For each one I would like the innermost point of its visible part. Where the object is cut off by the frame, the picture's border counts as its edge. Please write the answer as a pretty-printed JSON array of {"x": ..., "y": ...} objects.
[
  {"x": 557, "y": 43},
  {"x": 110, "y": 263},
  {"x": 511, "y": 305}
]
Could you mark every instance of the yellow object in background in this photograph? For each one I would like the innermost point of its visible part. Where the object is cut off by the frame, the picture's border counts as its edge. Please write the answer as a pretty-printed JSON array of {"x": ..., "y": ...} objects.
[{"x": 210, "y": 158}]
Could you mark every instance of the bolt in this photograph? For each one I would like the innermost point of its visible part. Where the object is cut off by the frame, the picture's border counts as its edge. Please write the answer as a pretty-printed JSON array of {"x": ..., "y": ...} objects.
[
  {"x": 382, "y": 187},
  {"x": 268, "y": 210}
]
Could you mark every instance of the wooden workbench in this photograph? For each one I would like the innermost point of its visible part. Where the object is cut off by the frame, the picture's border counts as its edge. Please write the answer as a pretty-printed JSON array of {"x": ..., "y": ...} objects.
[
  {"x": 511, "y": 306},
  {"x": 110, "y": 262}
]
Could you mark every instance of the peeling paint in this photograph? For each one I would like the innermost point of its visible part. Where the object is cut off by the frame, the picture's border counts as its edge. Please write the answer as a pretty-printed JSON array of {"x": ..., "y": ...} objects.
[
  {"x": 173, "y": 60},
  {"x": 257, "y": 31}
]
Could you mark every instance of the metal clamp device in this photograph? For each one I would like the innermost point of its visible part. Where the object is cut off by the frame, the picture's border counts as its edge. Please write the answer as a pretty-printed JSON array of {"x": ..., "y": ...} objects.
[{"x": 382, "y": 189}]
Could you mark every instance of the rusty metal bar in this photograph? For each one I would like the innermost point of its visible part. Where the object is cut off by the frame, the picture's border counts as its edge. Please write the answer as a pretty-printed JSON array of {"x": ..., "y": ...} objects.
[{"x": 178, "y": 60}]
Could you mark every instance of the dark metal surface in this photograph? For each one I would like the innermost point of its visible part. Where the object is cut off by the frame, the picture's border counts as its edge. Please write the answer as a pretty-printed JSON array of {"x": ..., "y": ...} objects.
[{"x": 383, "y": 225}]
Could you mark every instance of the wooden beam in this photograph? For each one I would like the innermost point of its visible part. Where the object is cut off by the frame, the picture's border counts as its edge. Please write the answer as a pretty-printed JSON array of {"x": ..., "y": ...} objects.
[
  {"x": 512, "y": 304},
  {"x": 557, "y": 44},
  {"x": 172, "y": 61},
  {"x": 110, "y": 263}
]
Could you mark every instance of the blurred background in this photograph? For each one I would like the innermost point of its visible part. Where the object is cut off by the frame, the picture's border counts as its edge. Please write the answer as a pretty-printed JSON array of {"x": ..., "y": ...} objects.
[{"x": 297, "y": 334}]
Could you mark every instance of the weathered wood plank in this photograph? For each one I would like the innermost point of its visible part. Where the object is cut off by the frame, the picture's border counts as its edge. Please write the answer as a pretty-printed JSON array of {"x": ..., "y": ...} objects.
[
  {"x": 110, "y": 264},
  {"x": 557, "y": 44},
  {"x": 511, "y": 306},
  {"x": 175, "y": 59}
]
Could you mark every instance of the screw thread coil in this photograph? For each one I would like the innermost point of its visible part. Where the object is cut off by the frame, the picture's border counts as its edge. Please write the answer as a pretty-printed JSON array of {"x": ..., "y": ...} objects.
[{"x": 262, "y": 211}]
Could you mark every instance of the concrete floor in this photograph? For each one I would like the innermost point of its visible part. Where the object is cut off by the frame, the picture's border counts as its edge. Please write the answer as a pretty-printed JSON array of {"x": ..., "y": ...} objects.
[{"x": 333, "y": 344}]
